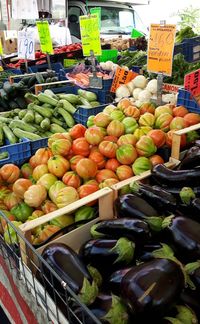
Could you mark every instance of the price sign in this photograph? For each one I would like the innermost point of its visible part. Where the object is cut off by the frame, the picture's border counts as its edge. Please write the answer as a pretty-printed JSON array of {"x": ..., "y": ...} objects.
[
  {"x": 192, "y": 84},
  {"x": 26, "y": 45},
  {"x": 1, "y": 48},
  {"x": 122, "y": 76},
  {"x": 45, "y": 37},
  {"x": 90, "y": 35},
  {"x": 160, "y": 49},
  {"x": 97, "y": 11}
]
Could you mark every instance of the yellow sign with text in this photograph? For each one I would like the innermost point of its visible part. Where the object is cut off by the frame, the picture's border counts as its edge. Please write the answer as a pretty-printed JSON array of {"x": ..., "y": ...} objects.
[
  {"x": 45, "y": 37},
  {"x": 90, "y": 35},
  {"x": 1, "y": 48},
  {"x": 161, "y": 48}
]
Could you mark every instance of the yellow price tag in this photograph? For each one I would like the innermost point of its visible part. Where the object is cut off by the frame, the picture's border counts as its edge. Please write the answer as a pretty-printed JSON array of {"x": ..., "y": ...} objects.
[
  {"x": 45, "y": 37},
  {"x": 1, "y": 48},
  {"x": 160, "y": 49},
  {"x": 90, "y": 35}
]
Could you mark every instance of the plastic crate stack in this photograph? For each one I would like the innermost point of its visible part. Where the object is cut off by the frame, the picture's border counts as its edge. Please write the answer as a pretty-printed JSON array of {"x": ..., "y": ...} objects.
[
  {"x": 185, "y": 99},
  {"x": 190, "y": 48}
]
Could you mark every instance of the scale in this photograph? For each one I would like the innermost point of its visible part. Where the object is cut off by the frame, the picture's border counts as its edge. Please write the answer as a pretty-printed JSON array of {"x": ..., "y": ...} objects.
[{"x": 94, "y": 80}]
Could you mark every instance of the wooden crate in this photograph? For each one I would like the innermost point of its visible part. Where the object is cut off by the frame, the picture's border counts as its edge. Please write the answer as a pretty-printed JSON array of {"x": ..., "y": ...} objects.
[
  {"x": 176, "y": 140},
  {"x": 105, "y": 204}
]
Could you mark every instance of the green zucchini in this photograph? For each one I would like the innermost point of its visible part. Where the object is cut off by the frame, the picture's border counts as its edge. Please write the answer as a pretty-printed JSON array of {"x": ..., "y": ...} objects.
[
  {"x": 22, "y": 113},
  {"x": 29, "y": 117},
  {"x": 31, "y": 81},
  {"x": 45, "y": 105},
  {"x": 57, "y": 121},
  {"x": 39, "y": 78},
  {"x": 45, "y": 124},
  {"x": 5, "y": 120},
  {"x": 23, "y": 134},
  {"x": 13, "y": 104},
  {"x": 21, "y": 102},
  {"x": 67, "y": 106},
  {"x": 45, "y": 112},
  {"x": 1, "y": 135},
  {"x": 32, "y": 98},
  {"x": 4, "y": 155},
  {"x": 6, "y": 114},
  {"x": 16, "y": 111},
  {"x": 47, "y": 99},
  {"x": 54, "y": 128},
  {"x": 38, "y": 118},
  {"x": 22, "y": 125},
  {"x": 9, "y": 134},
  {"x": 47, "y": 134},
  {"x": 85, "y": 102},
  {"x": 73, "y": 99},
  {"x": 51, "y": 94},
  {"x": 67, "y": 117}
]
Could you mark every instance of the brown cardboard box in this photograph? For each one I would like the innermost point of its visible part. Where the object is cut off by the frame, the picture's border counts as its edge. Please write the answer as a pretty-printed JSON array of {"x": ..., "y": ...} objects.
[{"x": 10, "y": 45}]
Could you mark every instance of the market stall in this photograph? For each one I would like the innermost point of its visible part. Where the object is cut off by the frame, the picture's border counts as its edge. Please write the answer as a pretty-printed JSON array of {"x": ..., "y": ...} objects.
[{"x": 99, "y": 177}]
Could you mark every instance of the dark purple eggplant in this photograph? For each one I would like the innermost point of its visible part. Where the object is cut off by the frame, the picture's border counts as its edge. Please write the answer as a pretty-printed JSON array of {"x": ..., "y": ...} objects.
[
  {"x": 108, "y": 255},
  {"x": 191, "y": 159},
  {"x": 176, "y": 191},
  {"x": 68, "y": 265},
  {"x": 196, "y": 205},
  {"x": 184, "y": 234},
  {"x": 159, "y": 198},
  {"x": 134, "y": 229},
  {"x": 152, "y": 288},
  {"x": 178, "y": 178},
  {"x": 116, "y": 279},
  {"x": 146, "y": 253},
  {"x": 191, "y": 298}
]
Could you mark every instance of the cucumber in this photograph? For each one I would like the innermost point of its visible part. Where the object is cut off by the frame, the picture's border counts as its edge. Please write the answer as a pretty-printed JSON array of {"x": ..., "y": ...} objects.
[
  {"x": 29, "y": 117},
  {"x": 9, "y": 134},
  {"x": 45, "y": 124},
  {"x": 22, "y": 125},
  {"x": 1, "y": 135},
  {"x": 23, "y": 134},
  {"x": 47, "y": 99},
  {"x": 67, "y": 106},
  {"x": 38, "y": 118},
  {"x": 31, "y": 81},
  {"x": 54, "y": 128}
]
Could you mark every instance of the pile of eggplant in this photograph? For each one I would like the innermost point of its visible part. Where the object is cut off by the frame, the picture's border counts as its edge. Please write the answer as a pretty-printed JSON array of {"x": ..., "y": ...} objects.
[{"x": 143, "y": 266}]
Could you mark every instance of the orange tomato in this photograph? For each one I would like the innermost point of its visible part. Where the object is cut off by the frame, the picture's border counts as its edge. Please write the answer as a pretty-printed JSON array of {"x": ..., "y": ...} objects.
[
  {"x": 81, "y": 147},
  {"x": 87, "y": 189},
  {"x": 33, "y": 162},
  {"x": 72, "y": 179},
  {"x": 74, "y": 160},
  {"x": 58, "y": 165},
  {"x": 156, "y": 159},
  {"x": 98, "y": 158},
  {"x": 158, "y": 136},
  {"x": 108, "y": 149},
  {"x": 42, "y": 155},
  {"x": 105, "y": 174},
  {"x": 9, "y": 173},
  {"x": 112, "y": 164},
  {"x": 180, "y": 111},
  {"x": 192, "y": 119},
  {"x": 124, "y": 172},
  {"x": 111, "y": 138},
  {"x": 169, "y": 137},
  {"x": 86, "y": 168},
  {"x": 77, "y": 131},
  {"x": 20, "y": 186}
]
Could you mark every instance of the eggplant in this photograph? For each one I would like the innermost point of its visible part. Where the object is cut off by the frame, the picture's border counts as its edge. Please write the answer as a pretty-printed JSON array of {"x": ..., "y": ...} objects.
[
  {"x": 191, "y": 159},
  {"x": 176, "y": 191},
  {"x": 178, "y": 178},
  {"x": 159, "y": 198},
  {"x": 116, "y": 279},
  {"x": 134, "y": 229},
  {"x": 184, "y": 234},
  {"x": 108, "y": 255},
  {"x": 196, "y": 205},
  {"x": 151, "y": 288},
  {"x": 146, "y": 253},
  {"x": 193, "y": 270},
  {"x": 69, "y": 267},
  {"x": 191, "y": 298}
]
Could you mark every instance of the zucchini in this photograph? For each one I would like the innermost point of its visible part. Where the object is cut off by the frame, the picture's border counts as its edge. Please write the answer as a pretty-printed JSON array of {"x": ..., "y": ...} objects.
[
  {"x": 54, "y": 128},
  {"x": 9, "y": 134},
  {"x": 57, "y": 121},
  {"x": 47, "y": 99},
  {"x": 29, "y": 117},
  {"x": 1, "y": 135},
  {"x": 85, "y": 102},
  {"x": 6, "y": 114},
  {"x": 19, "y": 86},
  {"x": 22, "y": 113},
  {"x": 45, "y": 112},
  {"x": 47, "y": 133},
  {"x": 95, "y": 103},
  {"x": 38, "y": 118},
  {"x": 88, "y": 95},
  {"x": 4, "y": 155},
  {"x": 67, "y": 117},
  {"x": 50, "y": 93},
  {"x": 16, "y": 118},
  {"x": 23, "y": 134},
  {"x": 39, "y": 78},
  {"x": 8, "y": 88},
  {"x": 16, "y": 111},
  {"x": 45, "y": 105},
  {"x": 5, "y": 120},
  {"x": 32, "y": 98},
  {"x": 45, "y": 124},
  {"x": 21, "y": 102},
  {"x": 22, "y": 125},
  {"x": 13, "y": 104},
  {"x": 31, "y": 81},
  {"x": 67, "y": 106},
  {"x": 73, "y": 99}
]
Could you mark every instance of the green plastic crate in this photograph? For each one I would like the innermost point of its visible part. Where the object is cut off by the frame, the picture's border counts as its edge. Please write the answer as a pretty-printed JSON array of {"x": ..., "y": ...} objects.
[{"x": 108, "y": 55}]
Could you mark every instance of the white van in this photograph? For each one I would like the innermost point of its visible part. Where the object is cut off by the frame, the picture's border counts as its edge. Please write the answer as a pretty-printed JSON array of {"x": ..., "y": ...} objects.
[{"x": 117, "y": 17}]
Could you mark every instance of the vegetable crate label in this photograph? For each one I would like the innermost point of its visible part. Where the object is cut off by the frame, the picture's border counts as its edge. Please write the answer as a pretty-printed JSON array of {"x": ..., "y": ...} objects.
[
  {"x": 26, "y": 45},
  {"x": 122, "y": 76},
  {"x": 192, "y": 84},
  {"x": 45, "y": 37},
  {"x": 160, "y": 49},
  {"x": 90, "y": 35}
]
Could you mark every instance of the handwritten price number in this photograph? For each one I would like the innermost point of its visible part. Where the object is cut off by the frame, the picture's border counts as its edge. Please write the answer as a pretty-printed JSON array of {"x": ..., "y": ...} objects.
[
  {"x": 161, "y": 38},
  {"x": 28, "y": 46}
]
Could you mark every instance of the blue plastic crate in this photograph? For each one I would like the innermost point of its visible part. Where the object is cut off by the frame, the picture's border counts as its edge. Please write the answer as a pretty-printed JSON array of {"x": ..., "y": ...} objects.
[
  {"x": 178, "y": 49},
  {"x": 37, "y": 144},
  {"x": 17, "y": 153},
  {"x": 82, "y": 114},
  {"x": 185, "y": 99},
  {"x": 43, "y": 67},
  {"x": 191, "y": 49},
  {"x": 136, "y": 69}
]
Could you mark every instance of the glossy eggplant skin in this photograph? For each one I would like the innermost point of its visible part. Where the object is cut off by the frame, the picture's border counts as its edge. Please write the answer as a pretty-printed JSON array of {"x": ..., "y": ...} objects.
[
  {"x": 191, "y": 159},
  {"x": 146, "y": 252},
  {"x": 176, "y": 191},
  {"x": 151, "y": 288},
  {"x": 103, "y": 255},
  {"x": 133, "y": 206},
  {"x": 116, "y": 279},
  {"x": 133, "y": 229},
  {"x": 184, "y": 234},
  {"x": 67, "y": 264},
  {"x": 178, "y": 178},
  {"x": 159, "y": 198}
]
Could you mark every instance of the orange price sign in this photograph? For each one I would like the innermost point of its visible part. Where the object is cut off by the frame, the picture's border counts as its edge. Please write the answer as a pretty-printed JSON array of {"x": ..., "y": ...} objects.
[
  {"x": 161, "y": 48},
  {"x": 192, "y": 84},
  {"x": 122, "y": 76}
]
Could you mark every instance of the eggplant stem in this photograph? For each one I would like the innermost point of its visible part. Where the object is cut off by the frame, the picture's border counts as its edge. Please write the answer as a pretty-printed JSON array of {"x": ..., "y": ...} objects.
[
  {"x": 95, "y": 234},
  {"x": 173, "y": 320},
  {"x": 135, "y": 187},
  {"x": 88, "y": 292},
  {"x": 186, "y": 315},
  {"x": 154, "y": 222},
  {"x": 117, "y": 313},
  {"x": 167, "y": 221},
  {"x": 95, "y": 275},
  {"x": 191, "y": 267},
  {"x": 125, "y": 250}
]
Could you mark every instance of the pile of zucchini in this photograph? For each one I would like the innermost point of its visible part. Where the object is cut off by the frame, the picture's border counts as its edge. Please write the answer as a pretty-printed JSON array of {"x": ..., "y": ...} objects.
[{"x": 45, "y": 114}]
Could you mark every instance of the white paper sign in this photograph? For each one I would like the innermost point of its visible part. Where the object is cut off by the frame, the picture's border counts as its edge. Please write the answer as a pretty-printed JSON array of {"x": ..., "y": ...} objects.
[
  {"x": 25, "y": 9},
  {"x": 26, "y": 45}
]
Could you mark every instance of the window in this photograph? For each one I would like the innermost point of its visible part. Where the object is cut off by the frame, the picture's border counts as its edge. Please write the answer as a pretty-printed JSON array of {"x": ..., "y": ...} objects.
[{"x": 73, "y": 21}]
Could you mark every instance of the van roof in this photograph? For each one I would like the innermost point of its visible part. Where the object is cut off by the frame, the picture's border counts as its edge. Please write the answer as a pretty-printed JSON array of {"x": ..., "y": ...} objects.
[{"x": 128, "y": 2}]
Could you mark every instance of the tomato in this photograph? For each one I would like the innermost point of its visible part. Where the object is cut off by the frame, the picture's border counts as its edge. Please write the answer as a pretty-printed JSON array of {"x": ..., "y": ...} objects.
[
  {"x": 147, "y": 107},
  {"x": 169, "y": 137},
  {"x": 111, "y": 138},
  {"x": 158, "y": 136},
  {"x": 20, "y": 186},
  {"x": 48, "y": 206},
  {"x": 98, "y": 158},
  {"x": 116, "y": 128},
  {"x": 86, "y": 168},
  {"x": 124, "y": 172},
  {"x": 72, "y": 179},
  {"x": 87, "y": 189},
  {"x": 132, "y": 111},
  {"x": 192, "y": 119},
  {"x": 108, "y": 149},
  {"x": 54, "y": 190},
  {"x": 26, "y": 170},
  {"x": 105, "y": 174},
  {"x": 112, "y": 164},
  {"x": 33, "y": 162},
  {"x": 102, "y": 120},
  {"x": 56, "y": 136},
  {"x": 35, "y": 195},
  {"x": 42, "y": 156},
  {"x": 127, "y": 139},
  {"x": 11, "y": 200},
  {"x": 156, "y": 159},
  {"x": 58, "y": 165},
  {"x": 66, "y": 196},
  {"x": 126, "y": 154},
  {"x": 47, "y": 180},
  {"x": 124, "y": 103},
  {"x": 145, "y": 146},
  {"x": 77, "y": 131},
  {"x": 147, "y": 119},
  {"x": 61, "y": 147},
  {"x": 39, "y": 171},
  {"x": 10, "y": 173},
  {"x": 108, "y": 183},
  {"x": 74, "y": 160},
  {"x": 94, "y": 135},
  {"x": 180, "y": 111},
  {"x": 80, "y": 146}
]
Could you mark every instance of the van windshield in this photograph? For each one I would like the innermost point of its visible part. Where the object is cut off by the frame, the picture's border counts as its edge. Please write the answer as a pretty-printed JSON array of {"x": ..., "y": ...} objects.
[{"x": 117, "y": 20}]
